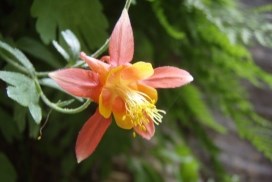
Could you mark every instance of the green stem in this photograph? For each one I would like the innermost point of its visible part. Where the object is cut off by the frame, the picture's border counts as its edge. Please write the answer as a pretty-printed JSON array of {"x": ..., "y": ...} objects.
[
  {"x": 101, "y": 49},
  {"x": 65, "y": 110},
  {"x": 16, "y": 65},
  {"x": 127, "y": 5},
  {"x": 56, "y": 107},
  {"x": 42, "y": 74}
]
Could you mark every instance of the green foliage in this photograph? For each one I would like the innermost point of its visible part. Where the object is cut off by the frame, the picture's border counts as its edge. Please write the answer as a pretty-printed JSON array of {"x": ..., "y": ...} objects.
[
  {"x": 73, "y": 46},
  {"x": 59, "y": 15},
  {"x": 198, "y": 108},
  {"x": 143, "y": 171},
  {"x": 8, "y": 53},
  {"x": 235, "y": 62},
  {"x": 219, "y": 62},
  {"x": 38, "y": 50},
  {"x": 23, "y": 90},
  {"x": 162, "y": 18},
  {"x": 180, "y": 160}
]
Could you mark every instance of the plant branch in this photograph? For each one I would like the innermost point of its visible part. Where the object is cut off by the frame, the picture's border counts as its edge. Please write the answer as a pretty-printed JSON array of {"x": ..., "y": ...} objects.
[
  {"x": 101, "y": 49},
  {"x": 42, "y": 74},
  {"x": 56, "y": 107},
  {"x": 15, "y": 65}
]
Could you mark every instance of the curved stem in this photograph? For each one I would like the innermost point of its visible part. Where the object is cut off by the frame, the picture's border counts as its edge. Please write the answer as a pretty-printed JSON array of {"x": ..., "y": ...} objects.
[
  {"x": 56, "y": 107},
  {"x": 101, "y": 49},
  {"x": 65, "y": 110}
]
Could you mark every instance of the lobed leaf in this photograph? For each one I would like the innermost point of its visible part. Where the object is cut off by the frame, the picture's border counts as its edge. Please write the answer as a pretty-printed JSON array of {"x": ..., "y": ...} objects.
[
  {"x": 84, "y": 18},
  {"x": 6, "y": 50},
  {"x": 23, "y": 90},
  {"x": 71, "y": 49},
  {"x": 61, "y": 50},
  {"x": 72, "y": 42}
]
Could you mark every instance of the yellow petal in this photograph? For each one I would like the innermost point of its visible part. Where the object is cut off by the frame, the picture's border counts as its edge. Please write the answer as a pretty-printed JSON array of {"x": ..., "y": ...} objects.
[
  {"x": 144, "y": 69},
  {"x": 122, "y": 120},
  {"x": 150, "y": 91},
  {"x": 105, "y": 104},
  {"x": 137, "y": 71}
]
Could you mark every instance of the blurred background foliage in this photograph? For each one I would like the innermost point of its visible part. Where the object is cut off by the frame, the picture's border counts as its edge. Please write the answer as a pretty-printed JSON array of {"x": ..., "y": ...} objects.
[{"x": 209, "y": 38}]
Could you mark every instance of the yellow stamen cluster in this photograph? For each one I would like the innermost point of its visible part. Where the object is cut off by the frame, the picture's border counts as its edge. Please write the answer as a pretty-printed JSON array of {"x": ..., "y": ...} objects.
[{"x": 141, "y": 109}]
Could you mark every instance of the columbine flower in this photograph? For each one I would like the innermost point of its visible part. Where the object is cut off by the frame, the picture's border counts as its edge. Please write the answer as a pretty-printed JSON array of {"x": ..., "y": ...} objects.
[{"x": 126, "y": 91}]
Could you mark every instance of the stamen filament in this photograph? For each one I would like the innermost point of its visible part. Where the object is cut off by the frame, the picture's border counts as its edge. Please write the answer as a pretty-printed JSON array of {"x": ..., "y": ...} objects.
[{"x": 140, "y": 108}]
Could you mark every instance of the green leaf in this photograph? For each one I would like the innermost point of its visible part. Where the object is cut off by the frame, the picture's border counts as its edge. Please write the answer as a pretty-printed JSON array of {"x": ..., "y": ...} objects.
[
  {"x": 22, "y": 89},
  {"x": 263, "y": 8},
  {"x": 13, "y": 53},
  {"x": 192, "y": 97},
  {"x": 257, "y": 130},
  {"x": 72, "y": 42},
  {"x": 33, "y": 128},
  {"x": 36, "y": 112},
  {"x": 246, "y": 35},
  {"x": 71, "y": 49},
  {"x": 260, "y": 37},
  {"x": 143, "y": 171},
  {"x": 189, "y": 168},
  {"x": 84, "y": 18},
  {"x": 7, "y": 171},
  {"x": 38, "y": 50},
  {"x": 177, "y": 34},
  {"x": 61, "y": 50}
]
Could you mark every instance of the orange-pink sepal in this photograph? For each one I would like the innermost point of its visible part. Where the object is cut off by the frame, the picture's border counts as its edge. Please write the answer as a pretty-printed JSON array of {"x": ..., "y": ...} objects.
[
  {"x": 78, "y": 82},
  {"x": 121, "y": 46},
  {"x": 95, "y": 64},
  {"x": 168, "y": 77},
  {"x": 90, "y": 135},
  {"x": 148, "y": 132}
]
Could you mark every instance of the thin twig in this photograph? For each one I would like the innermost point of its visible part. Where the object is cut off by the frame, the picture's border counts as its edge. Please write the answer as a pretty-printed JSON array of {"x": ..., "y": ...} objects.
[
  {"x": 56, "y": 107},
  {"x": 15, "y": 65},
  {"x": 42, "y": 73}
]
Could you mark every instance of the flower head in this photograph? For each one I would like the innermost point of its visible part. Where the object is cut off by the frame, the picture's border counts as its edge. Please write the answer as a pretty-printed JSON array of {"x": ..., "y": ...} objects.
[{"x": 123, "y": 90}]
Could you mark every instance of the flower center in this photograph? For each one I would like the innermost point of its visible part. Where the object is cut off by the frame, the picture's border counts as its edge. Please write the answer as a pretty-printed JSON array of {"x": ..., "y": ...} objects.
[{"x": 141, "y": 109}]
